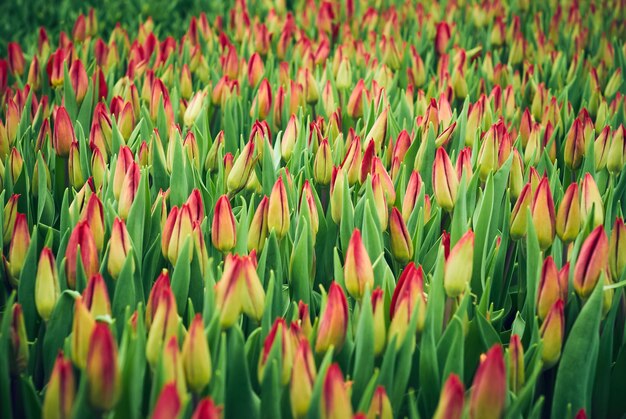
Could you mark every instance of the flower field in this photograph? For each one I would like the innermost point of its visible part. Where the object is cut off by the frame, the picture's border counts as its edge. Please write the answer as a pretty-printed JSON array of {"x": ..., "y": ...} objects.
[{"x": 313, "y": 209}]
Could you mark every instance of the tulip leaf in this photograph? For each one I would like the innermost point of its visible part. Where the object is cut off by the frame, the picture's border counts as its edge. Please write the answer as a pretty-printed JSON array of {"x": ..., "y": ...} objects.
[
  {"x": 364, "y": 349},
  {"x": 58, "y": 327},
  {"x": 5, "y": 345},
  {"x": 124, "y": 295},
  {"x": 179, "y": 189},
  {"x": 316, "y": 395},
  {"x": 240, "y": 401},
  {"x": 181, "y": 276}
]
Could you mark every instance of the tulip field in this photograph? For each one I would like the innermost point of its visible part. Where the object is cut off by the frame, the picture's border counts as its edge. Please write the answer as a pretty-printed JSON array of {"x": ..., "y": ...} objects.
[{"x": 313, "y": 209}]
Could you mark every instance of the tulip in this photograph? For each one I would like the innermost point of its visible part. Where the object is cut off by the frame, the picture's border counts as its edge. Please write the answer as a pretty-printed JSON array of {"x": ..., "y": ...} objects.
[
  {"x": 451, "y": 399},
  {"x": 82, "y": 328},
  {"x": 445, "y": 181},
  {"x": 385, "y": 180},
  {"x": 378, "y": 132},
  {"x": 304, "y": 319},
  {"x": 124, "y": 162},
  {"x": 58, "y": 401},
  {"x": 408, "y": 294},
  {"x": 79, "y": 80},
  {"x": 63, "y": 135},
  {"x": 335, "y": 400},
  {"x": 10, "y": 215},
  {"x": 543, "y": 214},
  {"x": 47, "y": 290},
  {"x": 16, "y": 58},
  {"x": 515, "y": 354},
  {"x": 519, "y": 219},
  {"x": 488, "y": 154},
  {"x": 96, "y": 297},
  {"x": 380, "y": 202},
  {"x": 164, "y": 322},
  {"x": 16, "y": 164},
  {"x": 196, "y": 357},
  {"x": 99, "y": 170},
  {"x": 401, "y": 242},
  {"x": 592, "y": 261},
  {"x": 458, "y": 267},
  {"x": 337, "y": 190},
  {"x": 93, "y": 214},
  {"x": 601, "y": 148},
  {"x": 128, "y": 193},
  {"x": 568, "y": 220},
  {"x": 206, "y": 409},
  {"x": 262, "y": 102},
  {"x": 351, "y": 164},
  {"x": 172, "y": 366},
  {"x": 257, "y": 232},
  {"x": 302, "y": 379},
  {"x": 81, "y": 238},
  {"x": 285, "y": 347},
  {"x": 617, "y": 249},
  {"x": 169, "y": 404},
  {"x": 19, "y": 342},
  {"x": 223, "y": 231},
  {"x": 178, "y": 228},
  {"x": 591, "y": 199},
  {"x": 333, "y": 322},
  {"x": 552, "y": 332},
  {"x": 355, "y": 102},
  {"x": 574, "y": 145},
  {"x": 617, "y": 152},
  {"x": 551, "y": 287},
  {"x": 278, "y": 209},
  {"x": 358, "y": 271},
  {"x": 20, "y": 242},
  {"x": 412, "y": 193},
  {"x": 194, "y": 108},
  {"x": 289, "y": 138},
  {"x": 380, "y": 406},
  {"x": 238, "y": 176},
  {"x": 307, "y": 199},
  {"x": 323, "y": 164},
  {"x": 489, "y": 388},
  {"x": 119, "y": 247}
]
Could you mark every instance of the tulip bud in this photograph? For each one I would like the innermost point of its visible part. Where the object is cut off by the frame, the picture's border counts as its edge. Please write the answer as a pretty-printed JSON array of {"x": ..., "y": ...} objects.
[
  {"x": 380, "y": 202},
  {"x": 617, "y": 249},
  {"x": 289, "y": 138},
  {"x": 591, "y": 198},
  {"x": 93, "y": 214},
  {"x": 489, "y": 388},
  {"x": 543, "y": 214},
  {"x": 238, "y": 176},
  {"x": 458, "y": 268},
  {"x": 592, "y": 261},
  {"x": 378, "y": 132},
  {"x": 223, "y": 230},
  {"x": 333, "y": 322},
  {"x": 119, "y": 247},
  {"x": 552, "y": 332},
  {"x": 568, "y": 216},
  {"x": 169, "y": 404},
  {"x": 309, "y": 85},
  {"x": 96, "y": 297},
  {"x": 20, "y": 241},
  {"x": 408, "y": 294},
  {"x": 60, "y": 391},
  {"x": 194, "y": 108},
  {"x": 552, "y": 287},
  {"x": 515, "y": 354},
  {"x": 16, "y": 58},
  {"x": 47, "y": 289},
  {"x": 63, "y": 136},
  {"x": 19, "y": 341},
  {"x": 99, "y": 170},
  {"x": 163, "y": 319},
  {"x": 257, "y": 232},
  {"x": 82, "y": 327},
  {"x": 16, "y": 163},
  {"x": 81, "y": 238},
  {"x": 196, "y": 356},
  {"x": 355, "y": 101},
  {"x": 574, "y": 145},
  {"x": 206, "y": 410},
  {"x": 451, "y": 399},
  {"x": 617, "y": 151},
  {"x": 302, "y": 379},
  {"x": 307, "y": 199},
  {"x": 278, "y": 209},
  {"x": 445, "y": 181},
  {"x": 519, "y": 217},
  {"x": 335, "y": 399},
  {"x": 413, "y": 189},
  {"x": 178, "y": 228},
  {"x": 401, "y": 242},
  {"x": 130, "y": 186},
  {"x": 323, "y": 164},
  {"x": 10, "y": 215},
  {"x": 336, "y": 194},
  {"x": 102, "y": 374},
  {"x": 304, "y": 319},
  {"x": 358, "y": 271},
  {"x": 351, "y": 164},
  {"x": 79, "y": 80},
  {"x": 278, "y": 331},
  {"x": 380, "y": 406},
  {"x": 124, "y": 162}
]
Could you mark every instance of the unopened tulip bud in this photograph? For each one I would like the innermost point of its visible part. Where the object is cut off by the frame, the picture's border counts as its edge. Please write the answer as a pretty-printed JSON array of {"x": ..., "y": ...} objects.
[
  {"x": 378, "y": 132},
  {"x": 617, "y": 249},
  {"x": 285, "y": 346},
  {"x": 333, "y": 321},
  {"x": 47, "y": 289},
  {"x": 194, "y": 108},
  {"x": 413, "y": 189},
  {"x": 169, "y": 404},
  {"x": 323, "y": 164},
  {"x": 591, "y": 199},
  {"x": 515, "y": 355},
  {"x": 289, "y": 138},
  {"x": 19, "y": 342},
  {"x": 63, "y": 135},
  {"x": 408, "y": 296},
  {"x": 82, "y": 327},
  {"x": 163, "y": 319},
  {"x": 335, "y": 399},
  {"x": 96, "y": 297},
  {"x": 337, "y": 191},
  {"x": 257, "y": 232},
  {"x": 196, "y": 357},
  {"x": 278, "y": 209},
  {"x": 130, "y": 187},
  {"x": 177, "y": 230},
  {"x": 574, "y": 145},
  {"x": 458, "y": 268},
  {"x": 302, "y": 379},
  {"x": 543, "y": 214},
  {"x": 592, "y": 261},
  {"x": 304, "y": 319},
  {"x": 568, "y": 220},
  {"x": 99, "y": 170},
  {"x": 309, "y": 84},
  {"x": 16, "y": 58},
  {"x": 124, "y": 162},
  {"x": 401, "y": 241},
  {"x": 489, "y": 388},
  {"x": 351, "y": 164},
  {"x": 307, "y": 199},
  {"x": 552, "y": 332},
  {"x": 445, "y": 180},
  {"x": 206, "y": 410},
  {"x": 10, "y": 215},
  {"x": 81, "y": 238},
  {"x": 58, "y": 401},
  {"x": 20, "y": 241},
  {"x": 380, "y": 406},
  {"x": 93, "y": 214},
  {"x": 601, "y": 148},
  {"x": 358, "y": 271},
  {"x": 119, "y": 247},
  {"x": 617, "y": 151},
  {"x": 238, "y": 176},
  {"x": 551, "y": 288},
  {"x": 16, "y": 164},
  {"x": 519, "y": 218},
  {"x": 355, "y": 102},
  {"x": 451, "y": 400},
  {"x": 223, "y": 230},
  {"x": 79, "y": 80},
  {"x": 380, "y": 202},
  {"x": 102, "y": 370}
]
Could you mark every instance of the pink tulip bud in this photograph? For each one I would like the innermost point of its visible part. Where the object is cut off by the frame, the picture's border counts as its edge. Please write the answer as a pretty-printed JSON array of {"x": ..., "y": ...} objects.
[
  {"x": 63, "y": 136},
  {"x": 335, "y": 399},
  {"x": 489, "y": 388},
  {"x": 333, "y": 321},
  {"x": 81, "y": 238},
  {"x": 451, "y": 400},
  {"x": 224, "y": 228},
  {"x": 592, "y": 261}
]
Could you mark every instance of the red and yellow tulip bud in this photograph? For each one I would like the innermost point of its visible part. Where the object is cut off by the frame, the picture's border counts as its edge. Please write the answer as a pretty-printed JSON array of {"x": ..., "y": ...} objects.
[
  {"x": 10, "y": 215},
  {"x": 333, "y": 322},
  {"x": 385, "y": 180},
  {"x": 96, "y": 297},
  {"x": 451, "y": 400},
  {"x": 591, "y": 199},
  {"x": 16, "y": 58},
  {"x": 16, "y": 164},
  {"x": 99, "y": 169},
  {"x": 617, "y": 249},
  {"x": 543, "y": 214},
  {"x": 185, "y": 82},
  {"x": 206, "y": 410},
  {"x": 401, "y": 241},
  {"x": 568, "y": 220},
  {"x": 119, "y": 247},
  {"x": 519, "y": 218},
  {"x": 309, "y": 85},
  {"x": 335, "y": 403},
  {"x": 278, "y": 331},
  {"x": 58, "y": 401},
  {"x": 445, "y": 180},
  {"x": 129, "y": 190},
  {"x": 81, "y": 238},
  {"x": 593, "y": 259},
  {"x": 256, "y": 69},
  {"x": 20, "y": 241},
  {"x": 82, "y": 328},
  {"x": 380, "y": 202},
  {"x": 124, "y": 162},
  {"x": 228, "y": 292},
  {"x": 351, "y": 164},
  {"x": 156, "y": 293},
  {"x": 551, "y": 288},
  {"x": 18, "y": 360},
  {"x": 194, "y": 108},
  {"x": 601, "y": 147},
  {"x": 79, "y": 80},
  {"x": 552, "y": 333},
  {"x": 178, "y": 228},
  {"x": 408, "y": 296},
  {"x": 47, "y": 290},
  {"x": 344, "y": 74},
  {"x": 238, "y": 176},
  {"x": 306, "y": 198},
  {"x": 257, "y": 232},
  {"x": 416, "y": 70},
  {"x": 617, "y": 151},
  {"x": 304, "y": 319},
  {"x": 413, "y": 189},
  {"x": 355, "y": 102},
  {"x": 574, "y": 145},
  {"x": 55, "y": 68},
  {"x": 337, "y": 187},
  {"x": 488, "y": 155},
  {"x": 169, "y": 404},
  {"x": 323, "y": 164},
  {"x": 164, "y": 325},
  {"x": 515, "y": 355},
  {"x": 358, "y": 271},
  {"x": 289, "y": 138},
  {"x": 380, "y": 406},
  {"x": 489, "y": 388},
  {"x": 102, "y": 369},
  {"x": 196, "y": 357},
  {"x": 63, "y": 135},
  {"x": 458, "y": 268},
  {"x": 224, "y": 229},
  {"x": 380, "y": 333},
  {"x": 278, "y": 209},
  {"x": 93, "y": 214},
  {"x": 302, "y": 379},
  {"x": 378, "y": 132},
  {"x": 464, "y": 164}
]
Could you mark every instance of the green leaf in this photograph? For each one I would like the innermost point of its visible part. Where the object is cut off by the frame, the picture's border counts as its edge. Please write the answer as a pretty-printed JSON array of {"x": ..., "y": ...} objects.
[
  {"x": 240, "y": 401},
  {"x": 181, "y": 277},
  {"x": 363, "y": 350}
]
